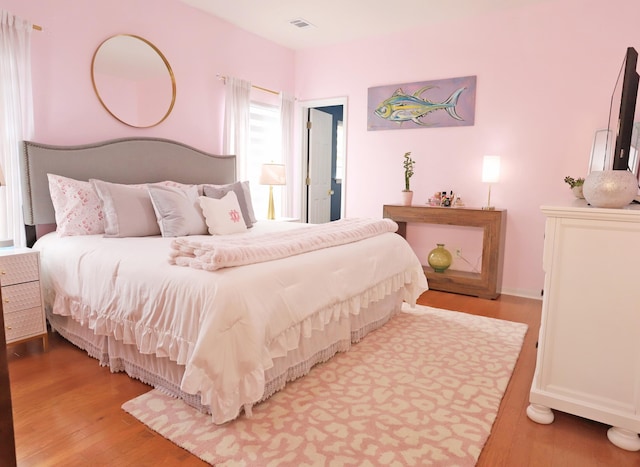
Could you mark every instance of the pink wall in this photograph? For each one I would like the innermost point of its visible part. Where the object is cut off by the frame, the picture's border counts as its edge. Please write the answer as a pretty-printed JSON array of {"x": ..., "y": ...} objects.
[
  {"x": 198, "y": 47},
  {"x": 545, "y": 76}
]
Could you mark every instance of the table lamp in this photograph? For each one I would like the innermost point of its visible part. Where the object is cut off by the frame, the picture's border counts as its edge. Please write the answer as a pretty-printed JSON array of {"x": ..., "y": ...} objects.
[
  {"x": 490, "y": 174},
  {"x": 272, "y": 174}
]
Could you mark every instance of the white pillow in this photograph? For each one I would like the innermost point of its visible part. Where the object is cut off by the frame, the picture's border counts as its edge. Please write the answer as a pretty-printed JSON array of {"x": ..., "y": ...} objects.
[
  {"x": 177, "y": 210},
  {"x": 223, "y": 216},
  {"x": 218, "y": 191},
  {"x": 128, "y": 211},
  {"x": 76, "y": 206}
]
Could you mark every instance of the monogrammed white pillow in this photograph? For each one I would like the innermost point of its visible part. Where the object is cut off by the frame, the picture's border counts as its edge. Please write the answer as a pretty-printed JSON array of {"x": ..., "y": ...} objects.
[{"x": 223, "y": 216}]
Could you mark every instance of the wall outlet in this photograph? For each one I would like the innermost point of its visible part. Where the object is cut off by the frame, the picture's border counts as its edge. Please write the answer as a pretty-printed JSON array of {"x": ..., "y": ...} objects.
[{"x": 458, "y": 252}]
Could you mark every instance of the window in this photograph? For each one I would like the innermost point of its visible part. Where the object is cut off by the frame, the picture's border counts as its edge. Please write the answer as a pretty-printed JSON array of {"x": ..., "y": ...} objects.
[{"x": 264, "y": 147}]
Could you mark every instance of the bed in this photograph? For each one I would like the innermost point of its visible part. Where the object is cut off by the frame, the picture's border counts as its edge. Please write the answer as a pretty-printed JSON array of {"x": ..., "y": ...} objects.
[{"x": 222, "y": 339}]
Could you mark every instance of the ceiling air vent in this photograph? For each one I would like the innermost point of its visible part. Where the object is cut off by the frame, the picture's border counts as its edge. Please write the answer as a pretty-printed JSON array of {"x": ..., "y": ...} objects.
[{"x": 300, "y": 23}]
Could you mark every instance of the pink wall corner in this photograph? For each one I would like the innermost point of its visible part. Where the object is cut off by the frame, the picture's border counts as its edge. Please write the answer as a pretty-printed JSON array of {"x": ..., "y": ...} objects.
[
  {"x": 545, "y": 73},
  {"x": 198, "y": 47}
]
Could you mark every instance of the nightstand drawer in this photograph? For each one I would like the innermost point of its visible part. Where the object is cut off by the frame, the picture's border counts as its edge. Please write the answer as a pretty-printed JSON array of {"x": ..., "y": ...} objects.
[
  {"x": 25, "y": 324},
  {"x": 18, "y": 268},
  {"x": 21, "y": 296}
]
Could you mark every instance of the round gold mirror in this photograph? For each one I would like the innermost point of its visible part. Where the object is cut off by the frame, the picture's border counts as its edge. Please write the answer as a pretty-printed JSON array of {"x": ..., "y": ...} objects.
[{"x": 133, "y": 80}]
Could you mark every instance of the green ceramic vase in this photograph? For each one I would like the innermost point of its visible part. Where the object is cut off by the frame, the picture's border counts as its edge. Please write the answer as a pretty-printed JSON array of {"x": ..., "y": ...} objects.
[{"x": 439, "y": 258}]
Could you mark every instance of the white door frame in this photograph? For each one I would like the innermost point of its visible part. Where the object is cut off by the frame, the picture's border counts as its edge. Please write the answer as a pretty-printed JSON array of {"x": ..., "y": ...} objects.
[{"x": 304, "y": 107}]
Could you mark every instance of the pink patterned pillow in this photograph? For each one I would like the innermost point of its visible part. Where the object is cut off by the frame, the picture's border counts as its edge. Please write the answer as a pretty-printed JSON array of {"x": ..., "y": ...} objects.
[{"x": 76, "y": 205}]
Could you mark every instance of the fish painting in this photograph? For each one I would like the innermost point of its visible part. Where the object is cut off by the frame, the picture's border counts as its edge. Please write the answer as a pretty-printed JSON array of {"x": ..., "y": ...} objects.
[
  {"x": 402, "y": 107},
  {"x": 423, "y": 104}
]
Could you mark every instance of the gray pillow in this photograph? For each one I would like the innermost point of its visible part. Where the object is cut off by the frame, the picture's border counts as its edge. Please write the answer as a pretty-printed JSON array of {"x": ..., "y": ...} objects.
[
  {"x": 247, "y": 197},
  {"x": 177, "y": 210},
  {"x": 128, "y": 211},
  {"x": 217, "y": 192}
]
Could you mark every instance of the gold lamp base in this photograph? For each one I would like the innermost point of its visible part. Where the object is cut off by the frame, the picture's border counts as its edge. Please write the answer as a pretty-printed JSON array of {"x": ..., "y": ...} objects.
[
  {"x": 488, "y": 207},
  {"x": 271, "y": 211}
]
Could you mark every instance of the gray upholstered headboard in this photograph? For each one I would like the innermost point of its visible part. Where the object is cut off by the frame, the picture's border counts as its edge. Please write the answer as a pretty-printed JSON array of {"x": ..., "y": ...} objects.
[{"x": 126, "y": 160}]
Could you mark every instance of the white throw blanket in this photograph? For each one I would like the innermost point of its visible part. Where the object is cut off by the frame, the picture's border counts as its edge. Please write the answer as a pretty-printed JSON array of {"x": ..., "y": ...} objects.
[{"x": 218, "y": 252}]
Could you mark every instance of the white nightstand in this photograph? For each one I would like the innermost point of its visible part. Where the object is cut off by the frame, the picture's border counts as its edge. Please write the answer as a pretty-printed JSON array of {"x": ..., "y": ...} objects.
[{"x": 22, "y": 304}]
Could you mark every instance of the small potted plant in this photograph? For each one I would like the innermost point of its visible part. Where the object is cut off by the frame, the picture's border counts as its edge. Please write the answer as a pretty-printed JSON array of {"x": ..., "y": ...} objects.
[
  {"x": 576, "y": 185},
  {"x": 407, "y": 194}
]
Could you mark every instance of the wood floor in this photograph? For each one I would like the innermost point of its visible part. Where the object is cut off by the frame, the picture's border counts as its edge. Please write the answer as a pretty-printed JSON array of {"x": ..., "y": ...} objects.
[{"x": 67, "y": 409}]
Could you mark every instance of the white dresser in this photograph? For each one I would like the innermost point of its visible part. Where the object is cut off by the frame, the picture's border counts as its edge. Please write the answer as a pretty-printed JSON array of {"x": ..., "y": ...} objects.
[
  {"x": 588, "y": 360},
  {"x": 24, "y": 317}
]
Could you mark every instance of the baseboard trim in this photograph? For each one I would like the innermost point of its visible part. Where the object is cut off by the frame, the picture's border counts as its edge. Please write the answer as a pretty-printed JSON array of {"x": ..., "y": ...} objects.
[{"x": 522, "y": 293}]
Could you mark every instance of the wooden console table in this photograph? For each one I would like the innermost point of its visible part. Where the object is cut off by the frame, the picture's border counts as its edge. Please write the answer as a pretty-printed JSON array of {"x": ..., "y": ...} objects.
[{"x": 493, "y": 222}]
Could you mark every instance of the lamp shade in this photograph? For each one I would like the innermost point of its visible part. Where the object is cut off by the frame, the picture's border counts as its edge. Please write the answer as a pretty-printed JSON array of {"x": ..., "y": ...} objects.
[
  {"x": 491, "y": 169},
  {"x": 272, "y": 174}
]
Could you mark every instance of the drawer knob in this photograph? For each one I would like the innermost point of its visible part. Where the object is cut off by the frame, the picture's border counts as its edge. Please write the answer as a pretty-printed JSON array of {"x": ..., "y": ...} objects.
[
  {"x": 8, "y": 328},
  {"x": 3, "y": 272},
  {"x": 6, "y": 300}
]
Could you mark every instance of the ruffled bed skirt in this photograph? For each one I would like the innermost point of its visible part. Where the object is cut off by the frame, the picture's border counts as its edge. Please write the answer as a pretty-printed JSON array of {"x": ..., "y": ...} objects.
[{"x": 166, "y": 375}]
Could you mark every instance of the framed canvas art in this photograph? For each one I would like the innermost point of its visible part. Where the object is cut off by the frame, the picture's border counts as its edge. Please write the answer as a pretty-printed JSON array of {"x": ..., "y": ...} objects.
[{"x": 424, "y": 104}]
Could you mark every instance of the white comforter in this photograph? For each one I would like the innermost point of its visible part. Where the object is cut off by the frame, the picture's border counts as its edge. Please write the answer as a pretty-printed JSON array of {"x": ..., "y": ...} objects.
[{"x": 225, "y": 326}]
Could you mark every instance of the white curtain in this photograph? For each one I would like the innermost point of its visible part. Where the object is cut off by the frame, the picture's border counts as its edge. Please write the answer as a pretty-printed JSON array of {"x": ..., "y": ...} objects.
[
  {"x": 287, "y": 108},
  {"x": 16, "y": 117},
  {"x": 236, "y": 122}
]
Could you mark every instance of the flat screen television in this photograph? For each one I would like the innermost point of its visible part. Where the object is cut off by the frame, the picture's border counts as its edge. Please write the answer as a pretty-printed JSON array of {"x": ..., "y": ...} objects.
[{"x": 622, "y": 113}]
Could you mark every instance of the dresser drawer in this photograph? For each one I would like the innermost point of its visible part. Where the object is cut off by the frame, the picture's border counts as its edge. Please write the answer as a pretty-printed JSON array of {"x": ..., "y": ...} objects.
[
  {"x": 24, "y": 324},
  {"x": 21, "y": 296},
  {"x": 18, "y": 268}
]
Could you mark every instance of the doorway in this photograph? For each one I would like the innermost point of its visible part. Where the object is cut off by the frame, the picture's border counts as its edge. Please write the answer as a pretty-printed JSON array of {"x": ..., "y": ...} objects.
[{"x": 323, "y": 160}]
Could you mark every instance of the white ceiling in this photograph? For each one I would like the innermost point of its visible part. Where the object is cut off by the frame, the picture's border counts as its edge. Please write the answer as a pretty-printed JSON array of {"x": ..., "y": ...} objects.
[{"x": 340, "y": 21}]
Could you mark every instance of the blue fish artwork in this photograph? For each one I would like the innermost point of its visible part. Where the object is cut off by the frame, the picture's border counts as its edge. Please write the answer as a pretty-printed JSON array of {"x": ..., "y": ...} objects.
[
  {"x": 449, "y": 102},
  {"x": 402, "y": 107}
]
